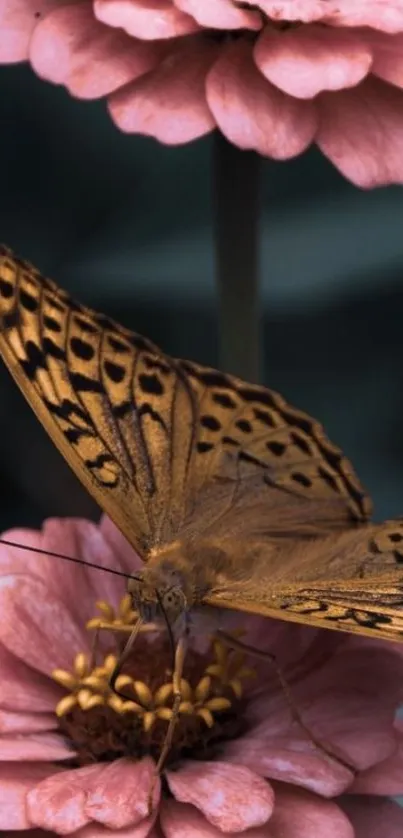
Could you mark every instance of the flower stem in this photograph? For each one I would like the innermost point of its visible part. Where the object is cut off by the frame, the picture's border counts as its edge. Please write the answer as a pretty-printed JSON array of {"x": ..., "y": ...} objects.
[{"x": 236, "y": 202}]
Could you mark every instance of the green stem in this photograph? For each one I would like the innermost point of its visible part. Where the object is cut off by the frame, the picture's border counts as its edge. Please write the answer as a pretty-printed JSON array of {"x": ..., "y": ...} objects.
[{"x": 236, "y": 220}]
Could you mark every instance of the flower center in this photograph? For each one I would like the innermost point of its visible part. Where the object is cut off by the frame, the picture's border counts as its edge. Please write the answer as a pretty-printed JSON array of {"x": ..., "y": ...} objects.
[{"x": 102, "y": 725}]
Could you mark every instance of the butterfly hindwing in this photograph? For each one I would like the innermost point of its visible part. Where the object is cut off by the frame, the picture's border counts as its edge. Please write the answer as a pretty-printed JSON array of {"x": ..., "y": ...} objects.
[{"x": 351, "y": 580}]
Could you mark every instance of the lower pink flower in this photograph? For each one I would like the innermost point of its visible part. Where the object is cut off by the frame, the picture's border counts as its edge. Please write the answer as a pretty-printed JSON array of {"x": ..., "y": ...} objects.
[
  {"x": 272, "y": 76},
  {"x": 77, "y": 759}
]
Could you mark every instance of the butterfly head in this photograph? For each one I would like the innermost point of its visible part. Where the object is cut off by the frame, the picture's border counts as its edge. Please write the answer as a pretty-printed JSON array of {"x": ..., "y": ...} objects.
[{"x": 158, "y": 598}]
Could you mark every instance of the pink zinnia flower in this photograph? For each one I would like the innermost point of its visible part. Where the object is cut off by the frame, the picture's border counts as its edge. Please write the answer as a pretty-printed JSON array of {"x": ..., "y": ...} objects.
[
  {"x": 272, "y": 75},
  {"x": 77, "y": 760}
]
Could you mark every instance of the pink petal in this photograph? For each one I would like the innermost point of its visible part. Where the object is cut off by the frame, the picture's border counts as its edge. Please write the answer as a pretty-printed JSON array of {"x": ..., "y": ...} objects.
[
  {"x": 39, "y": 747},
  {"x": 373, "y": 817},
  {"x": 300, "y": 814},
  {"x": 74, "y": 537},
  {"x": 309, "y": 59},
  {"x": 291, "y": 760},
  {"x": 26, "y": 722},
  {"x": 252, "y": 113},
  {"x": 169, "y": 103},
  {"x": 18, "y": 19},
  {"x": 58, "y": 802},
  {"x": 147, "y": 19},
  {"x": 220, "y": 14},
  {"x": 380, "y": 14},
  {"x": 117, "y": 796},
  {"x": 232, "y": 797},
  {"x": 36, "y": 628},
  {"x": 71, "y": 47},
  {"x": 180, "y": 820},
  {"x": 388, "y": 56},
  {"x": 23, "y": 689},
  {"x": 385, "y": 778},
  {"x": 95, "y": 830},
  {"x": 361, "y": 132},
  {"x": 348, "y": 703},
  {"x": 15, "y": 783}
]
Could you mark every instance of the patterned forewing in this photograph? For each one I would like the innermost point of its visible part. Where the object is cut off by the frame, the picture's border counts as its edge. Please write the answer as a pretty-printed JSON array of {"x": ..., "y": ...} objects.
[{"x": 106, "y": 396}]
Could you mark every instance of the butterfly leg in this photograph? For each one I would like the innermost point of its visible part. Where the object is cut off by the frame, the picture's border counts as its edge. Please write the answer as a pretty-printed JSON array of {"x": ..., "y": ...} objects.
[
  {"x": 180, "y": 653},
  {"x": 123, "y": 629},
  {"x": 234, "y": 643}
]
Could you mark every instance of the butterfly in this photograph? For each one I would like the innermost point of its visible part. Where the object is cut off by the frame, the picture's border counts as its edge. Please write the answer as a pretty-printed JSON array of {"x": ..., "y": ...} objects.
[{"x": 233, "y": 498}]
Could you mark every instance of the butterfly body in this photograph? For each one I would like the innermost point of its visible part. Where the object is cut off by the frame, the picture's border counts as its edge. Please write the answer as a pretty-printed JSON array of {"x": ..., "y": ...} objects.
[{"x": 232, "y": 498}]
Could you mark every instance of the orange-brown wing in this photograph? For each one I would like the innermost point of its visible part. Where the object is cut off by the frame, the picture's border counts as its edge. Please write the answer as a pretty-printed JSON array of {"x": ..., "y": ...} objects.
[
  {"x": 112, "y": 403},
  {"x": 167, "y": 447},
  {"x": 350, "y": 581}
]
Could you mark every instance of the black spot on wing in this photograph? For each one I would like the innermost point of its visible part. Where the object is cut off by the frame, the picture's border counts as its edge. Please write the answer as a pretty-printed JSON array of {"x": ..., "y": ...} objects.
[
  {"x": 6, "y": 289},
  {"x": 83, "y": 384},
  {"x": 224, "y": 400},
  {"x": 53, "y": 350},
  {"x": 51, "y": 324},
  {"x": 210, "y": 422},
  {"x": 115, "y": 372},
  {"x": 151, "y": 384},
  {"x": 35, "y": 360},
  {"x": 81, "y": 349},
  {"x": 28, "y": 301}
]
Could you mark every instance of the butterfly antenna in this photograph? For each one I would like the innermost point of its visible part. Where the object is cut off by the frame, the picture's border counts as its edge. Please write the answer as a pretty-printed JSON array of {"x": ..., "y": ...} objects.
[{"x": 66, "y": 558}]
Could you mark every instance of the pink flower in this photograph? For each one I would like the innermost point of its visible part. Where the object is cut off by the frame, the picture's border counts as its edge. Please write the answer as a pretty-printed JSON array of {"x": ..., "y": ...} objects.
[
  {"x": 272, "y": 75},
  {"x": 76, "y": 762}
]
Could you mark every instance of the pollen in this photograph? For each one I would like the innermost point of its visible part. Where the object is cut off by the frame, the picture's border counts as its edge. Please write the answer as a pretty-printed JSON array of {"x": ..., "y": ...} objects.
[{"x": 132, "y": 720}]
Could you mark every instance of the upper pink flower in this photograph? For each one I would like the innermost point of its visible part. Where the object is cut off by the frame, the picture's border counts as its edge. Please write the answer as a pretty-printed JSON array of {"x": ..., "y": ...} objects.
[
  {"x": 86, "y": 770},
  {"x": 272, "y": 75}
]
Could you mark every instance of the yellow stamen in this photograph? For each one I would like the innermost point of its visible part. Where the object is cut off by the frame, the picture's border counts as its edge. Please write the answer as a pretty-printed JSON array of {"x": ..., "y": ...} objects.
[
  {"x": 80, "y": 665},
  {"x": 65, "y": 705},
  {"x": 203, "y": 688},
  {"x": 186, "y": 707},
  {"x": 217, "y": 704},
  {"x": 105, "y": 609},
  {"x": 83, "y": 697},
  {"x": 206, "y": 715},
  {"x": 149, "y": 720},
  {"x": 144, "y": 693},
  {"x": 163, "y": 693},
  {"x": 165, "y": 713},
  {"x": 123, "y": 681},
  {"x": 65, "y": 679}
]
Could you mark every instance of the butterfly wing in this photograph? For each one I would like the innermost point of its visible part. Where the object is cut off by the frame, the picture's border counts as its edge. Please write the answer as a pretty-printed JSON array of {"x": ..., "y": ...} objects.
[
  {"x": 167, "y": 447},
  {"x": 113, "y": 404},
  {"x": 351, "y": 580}
]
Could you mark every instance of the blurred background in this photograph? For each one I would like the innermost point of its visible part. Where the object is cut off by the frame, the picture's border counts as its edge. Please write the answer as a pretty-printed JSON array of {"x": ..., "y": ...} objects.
[{"x": 126, "y": 225}]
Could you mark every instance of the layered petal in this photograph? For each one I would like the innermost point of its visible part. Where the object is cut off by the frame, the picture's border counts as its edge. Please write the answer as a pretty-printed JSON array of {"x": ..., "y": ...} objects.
[
  {"x": 169, "y": 103},
  {"x": 16, "y": 780},
  {"x": 18, "y": 20},
  {"x": 146, "y": 19},
  {"x": 305, "y": 61},
  {"x": 373, "y": 817},
  {"x": 300, "y": 814},
  {"x": 70, "y": 47},
  {"x": 361, "y": 132},
  {"x": 231, "y": 797},
  {"x": 220, "y": 14},
  {"x": 117, "y": 795},
  {"x": 251, "y": 112}
]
